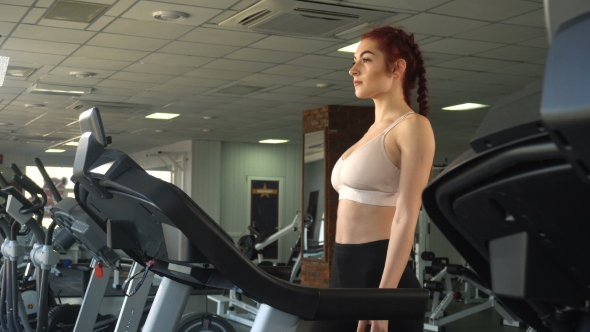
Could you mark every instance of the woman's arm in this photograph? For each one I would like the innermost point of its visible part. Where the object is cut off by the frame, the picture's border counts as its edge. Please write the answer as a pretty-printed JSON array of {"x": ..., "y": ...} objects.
[{"x": 415, "y": 141}]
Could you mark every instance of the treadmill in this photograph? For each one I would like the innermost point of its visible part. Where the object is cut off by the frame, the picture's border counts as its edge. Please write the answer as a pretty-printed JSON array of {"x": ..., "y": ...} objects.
[
  {"x": 162, "y": 228},
  {"x": 516, "y": 204}
]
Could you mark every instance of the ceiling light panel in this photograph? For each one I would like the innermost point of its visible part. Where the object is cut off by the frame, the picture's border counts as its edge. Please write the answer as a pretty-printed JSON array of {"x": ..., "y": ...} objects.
[
  {"x": 18, "y": 71},
  {"x": 75, "y": 11},
  {"x": 162, "y": 116},
  {"x": 464, "y": 107},
  {"x": 144, "y": 10},
  {"x": 43, "y": 88}
]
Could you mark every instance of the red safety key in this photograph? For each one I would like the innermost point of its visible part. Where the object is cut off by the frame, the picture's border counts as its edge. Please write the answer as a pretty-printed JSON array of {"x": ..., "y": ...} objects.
[{"x": 98, "y": 271}]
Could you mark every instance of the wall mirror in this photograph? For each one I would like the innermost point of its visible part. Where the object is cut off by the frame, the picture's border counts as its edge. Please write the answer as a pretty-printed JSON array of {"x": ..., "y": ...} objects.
[{"x": 313, "y": 195}]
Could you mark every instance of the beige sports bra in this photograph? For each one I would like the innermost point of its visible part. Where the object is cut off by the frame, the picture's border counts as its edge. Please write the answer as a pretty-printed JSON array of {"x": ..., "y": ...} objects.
[{"x": 367, "y": 175}]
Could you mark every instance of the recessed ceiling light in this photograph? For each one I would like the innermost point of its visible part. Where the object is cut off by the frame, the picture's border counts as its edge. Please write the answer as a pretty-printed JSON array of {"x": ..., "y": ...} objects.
[
  {"x": 464, "y": 107},
  {"x": 350, "y": 48},
  {"x": 3, "y": 68},
  {"x": 162, "y": 116},
  {"x": 72, "y": 143},
  {"x": 322, "y": 85},
  {"x": 34, "y": 105},
  {"x": 206, "y": 130},
  {"x": 160, "y": 131},
  {"x": 170, "y": 15},
  {"x": 5, "y": 124},
  {"x": 55, "y": 150},
  {"x": 274, "y": 141},
  {"x": 82, "y": 74},
  {"x": 208, "y": 117}
]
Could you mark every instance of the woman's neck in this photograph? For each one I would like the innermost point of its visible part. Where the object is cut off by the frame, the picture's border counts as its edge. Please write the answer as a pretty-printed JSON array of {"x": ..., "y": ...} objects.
[{"x": 390, "y": 105}]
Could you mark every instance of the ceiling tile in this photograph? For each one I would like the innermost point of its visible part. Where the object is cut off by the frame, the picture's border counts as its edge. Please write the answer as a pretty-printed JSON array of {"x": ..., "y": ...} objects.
[
  {"x": 120, "y": 7},
  {"x": 65, "y": 71},
  {"x": 320, "y": 61},
  {"x": 109, "y": 98},
  {"x": 419, "y": 5},
  {"x": 291, "y": 44},
  {"x": 150, "y": 68},
  {"x": 230, "y": 75},
  {"x": 439, "y": 25},
  {"x": 17, "y": 2},
  {"x": 197, "y": 15},
  {"x": 6, "y": 27},
  {"x": 515, "y": 53},
  {"x": 272, "y": 79},
  {"x": 525, "y": 69},
  {"x": 186, "y": 89},
  {"x": 127, "y": 42},
  {"x": 278, "y": 97},
  {"x": 109, "y": 53},
  {"x": 180, "y": 60},
  {"x": 253, "y": 54},
  {"x": 536, "y": 42},
  {"x": 296, "y": 71},
  {"x": 147, "y": 29},
  {"x": 114, "y": 91},
  {"x": 492, "y": 78},
  {"x": 445, "y": 73},
  {"x": 339, "y": 75},
  {"x": 499, "y": 89},
  {"x": 90, "y": 63},
  {"x": 300, "y": 90},
  {"x": 221, "y": 37},
  {"x": 344, "y": 94},
  {"x": 34, "y": 58},
  {"x": 459, "y": 46},
  {"x": 503, "y": 33},
  {"x": 12, "y": 13},
  {"x": 431, "y": 58},
  {"x": 102, "y": 22},
  {"x": 140, "y": 77},
  {"x": 196, "y": 81},
  {"x": 458, "y": 86},
  {"x": 533, "y": 19},
  {"x": 34, "y": 15},
  {"x": 313, "y": 83},
  {"x": 38, "y": 46},
  {"x": 486, "y": 10},
  {"x": 476, "y": 64},
  {"x": 186, "y": 48},
  {"x": 63, "y": 24},
  {"x": 51, "y": 34},
  {"x": 239, "y": 65},
  {"x": 220, "y": 4}
]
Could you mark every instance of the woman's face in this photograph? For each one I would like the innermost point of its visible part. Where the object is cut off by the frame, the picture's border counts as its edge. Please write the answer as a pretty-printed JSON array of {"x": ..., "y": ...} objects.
[{"x": 370, "y": 71}]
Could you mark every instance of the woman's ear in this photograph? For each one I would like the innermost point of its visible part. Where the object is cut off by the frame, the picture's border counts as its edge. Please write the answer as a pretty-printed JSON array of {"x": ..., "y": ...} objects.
[{"x": 399, "y": 67}]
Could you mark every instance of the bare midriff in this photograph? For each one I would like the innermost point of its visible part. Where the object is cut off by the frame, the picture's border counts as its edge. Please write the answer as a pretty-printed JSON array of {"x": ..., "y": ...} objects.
[{"x": 362, "y": 223}]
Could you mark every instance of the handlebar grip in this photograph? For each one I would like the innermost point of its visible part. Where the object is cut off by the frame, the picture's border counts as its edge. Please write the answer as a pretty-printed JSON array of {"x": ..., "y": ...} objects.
[
  {"x": 48, "y": 180},
  {"x": 3, "y": 181},
  {"x": 15, "y": 169}
]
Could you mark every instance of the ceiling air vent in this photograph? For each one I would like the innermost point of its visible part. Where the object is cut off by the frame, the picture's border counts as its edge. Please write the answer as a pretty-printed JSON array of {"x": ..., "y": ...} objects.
[{"x": 304, "y": 18}]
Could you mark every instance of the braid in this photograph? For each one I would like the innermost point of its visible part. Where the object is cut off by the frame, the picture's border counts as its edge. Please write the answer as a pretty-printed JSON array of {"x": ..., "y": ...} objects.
[{"x": 422, "y": 89}]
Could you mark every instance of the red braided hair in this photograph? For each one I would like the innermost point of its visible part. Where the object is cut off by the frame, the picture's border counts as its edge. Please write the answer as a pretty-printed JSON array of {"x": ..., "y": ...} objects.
[{"x": 397, "y": 44}]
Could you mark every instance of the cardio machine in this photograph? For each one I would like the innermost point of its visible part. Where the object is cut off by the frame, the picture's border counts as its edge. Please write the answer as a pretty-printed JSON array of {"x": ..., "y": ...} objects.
[
  {"x": 160, "y": 227},
  {"x": 515, "y": 205}
]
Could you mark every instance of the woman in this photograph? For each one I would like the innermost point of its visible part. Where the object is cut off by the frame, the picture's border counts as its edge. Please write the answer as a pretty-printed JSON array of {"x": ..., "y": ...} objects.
[{"x": 380, "y": 178}]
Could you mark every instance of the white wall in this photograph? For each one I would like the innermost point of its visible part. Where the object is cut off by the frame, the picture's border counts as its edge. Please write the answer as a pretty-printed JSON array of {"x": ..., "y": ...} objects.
[
  {"x": 240, "y": 160},
  {"x": 162, "y": 158}
]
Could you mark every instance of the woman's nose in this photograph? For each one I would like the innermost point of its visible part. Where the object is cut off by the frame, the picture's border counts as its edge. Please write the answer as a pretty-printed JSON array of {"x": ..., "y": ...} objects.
[{"x": 353, "y": 71}]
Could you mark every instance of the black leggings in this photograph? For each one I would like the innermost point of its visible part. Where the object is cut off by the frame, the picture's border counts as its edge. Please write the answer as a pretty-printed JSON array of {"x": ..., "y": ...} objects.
[{"x": 361, "y": 266}]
